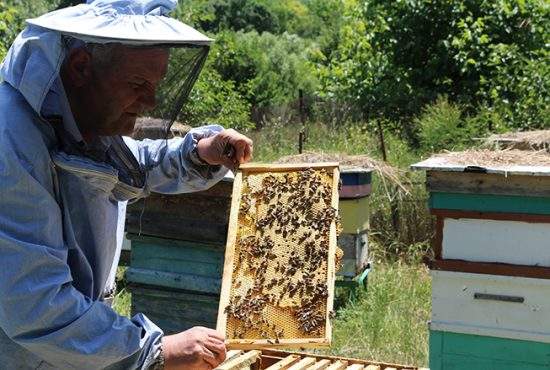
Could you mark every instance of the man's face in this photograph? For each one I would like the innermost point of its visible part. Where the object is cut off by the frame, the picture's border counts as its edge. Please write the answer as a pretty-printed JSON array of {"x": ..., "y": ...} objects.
[{"x": 116, "y": 95}]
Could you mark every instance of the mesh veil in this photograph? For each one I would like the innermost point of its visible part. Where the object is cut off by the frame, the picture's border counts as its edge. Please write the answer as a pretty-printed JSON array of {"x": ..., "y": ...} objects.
[{"x": 185, "y": 65}]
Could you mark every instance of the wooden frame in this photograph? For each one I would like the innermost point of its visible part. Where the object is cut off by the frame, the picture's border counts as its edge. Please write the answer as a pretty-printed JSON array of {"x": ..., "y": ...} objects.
[
  {"x": 230, "y": 256},
  {"x": 270, "y": 359},
  {"x": 487, "y": 183}
]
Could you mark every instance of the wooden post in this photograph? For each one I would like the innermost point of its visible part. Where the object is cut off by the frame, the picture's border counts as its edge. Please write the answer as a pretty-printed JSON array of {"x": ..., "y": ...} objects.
[
  {"x": 394, "y": 204},
  {"x": 302, "y": 134},
  {"x": 382, "y": 143}
]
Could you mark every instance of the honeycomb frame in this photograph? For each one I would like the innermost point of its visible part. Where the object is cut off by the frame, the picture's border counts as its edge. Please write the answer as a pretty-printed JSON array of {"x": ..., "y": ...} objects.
[{"x": 232, "y": 278}]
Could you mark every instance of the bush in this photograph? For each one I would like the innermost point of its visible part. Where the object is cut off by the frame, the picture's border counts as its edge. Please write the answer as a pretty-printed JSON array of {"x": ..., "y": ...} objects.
[
  {"x": 214, "y": 100},
  {"x": 11, "y": 22},
  {"x": 395, "y": 57},
  {"x": 236, "y": 15},
  {"x": 442, "y": 127},
  {"x": 266, "y": 69}
]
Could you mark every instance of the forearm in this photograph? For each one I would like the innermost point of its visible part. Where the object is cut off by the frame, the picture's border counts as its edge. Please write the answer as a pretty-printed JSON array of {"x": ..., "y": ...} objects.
[{"x": 171, "y": 167}]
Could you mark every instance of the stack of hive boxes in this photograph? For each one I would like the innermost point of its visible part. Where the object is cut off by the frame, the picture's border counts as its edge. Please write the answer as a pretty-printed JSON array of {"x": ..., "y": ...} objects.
[
  {"x": 354, "y": 211},
  {"x": 178, "y": 243},
  {"x": 491, "y": 273}
]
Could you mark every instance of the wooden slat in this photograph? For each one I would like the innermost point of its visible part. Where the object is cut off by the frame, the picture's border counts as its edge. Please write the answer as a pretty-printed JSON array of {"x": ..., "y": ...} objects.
[
  {"x": 372, "y": 367},
  {"x": 523, "y": 217},
  {"x": 284, "y": 363},
  {"x": 274, "y": 353},
  {"x": 482, "y": 183},
  {"x": 338, "y": 365},
  {"x": 490, "y": 203},
  {"x": 229, "y": 253},
  {"x": 331, "y": 263},
  {"x": 252, "y": 167},
  {"x": 320, "y": 365},
  {"x": 355, "y": 367},
  {"x": 241, "y": 361},
  {"x": 303, "y": 364},
  {"x": 232, "y": 354},
  {"x": 503, "y": 269}
]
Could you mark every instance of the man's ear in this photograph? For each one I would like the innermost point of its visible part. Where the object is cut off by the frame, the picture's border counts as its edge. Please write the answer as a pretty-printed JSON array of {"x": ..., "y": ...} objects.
[{"x": 78, "y": 67}]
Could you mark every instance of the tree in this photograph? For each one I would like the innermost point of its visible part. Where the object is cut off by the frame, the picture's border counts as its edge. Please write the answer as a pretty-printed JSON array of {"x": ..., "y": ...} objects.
[{"x": 398, "y": 56}]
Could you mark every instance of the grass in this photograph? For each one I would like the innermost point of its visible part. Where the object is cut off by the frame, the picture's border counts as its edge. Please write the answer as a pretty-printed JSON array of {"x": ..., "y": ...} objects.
[
  {"x": 389, "y": 322},
  {"x": 123, "y": 298}
]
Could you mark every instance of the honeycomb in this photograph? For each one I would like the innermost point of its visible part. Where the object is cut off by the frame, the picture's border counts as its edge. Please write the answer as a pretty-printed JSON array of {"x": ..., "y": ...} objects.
[{"x": 281, "y": 253}]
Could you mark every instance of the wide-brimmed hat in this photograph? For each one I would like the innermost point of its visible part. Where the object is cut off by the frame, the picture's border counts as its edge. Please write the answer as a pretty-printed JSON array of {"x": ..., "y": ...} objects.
[{"x": 132, "y": 22}]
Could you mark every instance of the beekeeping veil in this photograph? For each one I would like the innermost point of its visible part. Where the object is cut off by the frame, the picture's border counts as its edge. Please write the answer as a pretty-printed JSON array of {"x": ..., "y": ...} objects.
[
  {"x": 139, "y": 24},
  {"x": 100, "y": 23}
]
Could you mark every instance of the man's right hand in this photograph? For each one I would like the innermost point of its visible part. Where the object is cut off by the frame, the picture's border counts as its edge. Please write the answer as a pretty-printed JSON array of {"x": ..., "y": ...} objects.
[{"x": 197, "y": 348}]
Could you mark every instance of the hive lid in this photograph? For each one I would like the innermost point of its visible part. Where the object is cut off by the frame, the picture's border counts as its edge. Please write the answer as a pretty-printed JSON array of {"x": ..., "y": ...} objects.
[{"x": 502, "y": 162}]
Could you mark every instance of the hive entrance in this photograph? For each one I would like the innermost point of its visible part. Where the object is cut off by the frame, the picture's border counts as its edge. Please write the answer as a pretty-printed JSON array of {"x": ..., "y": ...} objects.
[{"x": 279, "y": 268}]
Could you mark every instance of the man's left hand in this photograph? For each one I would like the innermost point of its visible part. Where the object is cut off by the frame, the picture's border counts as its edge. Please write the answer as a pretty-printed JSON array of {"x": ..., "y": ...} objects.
[{"x": 228, "y": 148}]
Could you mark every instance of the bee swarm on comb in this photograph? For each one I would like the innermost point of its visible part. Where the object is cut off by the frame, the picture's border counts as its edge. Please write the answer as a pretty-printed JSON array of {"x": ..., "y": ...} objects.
[{"x": 279, "y": 282}]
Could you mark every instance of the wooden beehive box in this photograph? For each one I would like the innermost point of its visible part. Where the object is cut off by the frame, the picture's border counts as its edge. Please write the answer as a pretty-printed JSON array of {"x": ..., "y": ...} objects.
[
  {"x": 491, "y": 272},
  {"x": 281, "y": 360},
  {"x": 279, "y": 271},
  {"x": 355, "y": 190}
]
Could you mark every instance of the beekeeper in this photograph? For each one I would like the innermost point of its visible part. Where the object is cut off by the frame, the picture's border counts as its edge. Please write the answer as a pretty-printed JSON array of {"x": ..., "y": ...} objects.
[{"x": 74, "y": 82}]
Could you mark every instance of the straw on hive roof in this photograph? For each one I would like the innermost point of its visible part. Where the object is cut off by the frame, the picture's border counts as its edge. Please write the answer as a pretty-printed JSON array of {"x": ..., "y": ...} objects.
[
  {"x": 528, "y": 140},
  {"x": 496, "y": 158},
  {"x": 384, "y": 170}
]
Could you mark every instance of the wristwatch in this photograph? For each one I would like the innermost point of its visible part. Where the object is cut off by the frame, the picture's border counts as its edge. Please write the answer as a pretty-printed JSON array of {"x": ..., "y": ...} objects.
[
  {"x": 158, "y": 362},
  {"x": 195, "y": 157}
]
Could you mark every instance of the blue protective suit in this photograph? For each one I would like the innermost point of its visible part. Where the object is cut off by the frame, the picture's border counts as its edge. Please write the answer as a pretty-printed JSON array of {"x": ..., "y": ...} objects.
[{"x": 60, "y": 220}]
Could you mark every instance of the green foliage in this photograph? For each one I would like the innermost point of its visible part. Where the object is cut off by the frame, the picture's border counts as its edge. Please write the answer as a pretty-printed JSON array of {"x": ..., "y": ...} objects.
[
  {"x": 447, "y": 126},
  {"x": 12, "y": 18},
  {"x": 398, "y": 56},
  {"x": 278, "y": 139},
  {"x": 214, "y": 100},
  {"x": 267, "y": 69},
  {"x": 388, "y": 322},
  {"x": 10, "y": 24},
  {"x": 442, "y": 127},
  {"x": 236, "y": 15}
]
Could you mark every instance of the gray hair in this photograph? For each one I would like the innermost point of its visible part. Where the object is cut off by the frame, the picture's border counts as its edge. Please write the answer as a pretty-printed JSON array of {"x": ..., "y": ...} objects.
[{"x": 103, "y": 55}]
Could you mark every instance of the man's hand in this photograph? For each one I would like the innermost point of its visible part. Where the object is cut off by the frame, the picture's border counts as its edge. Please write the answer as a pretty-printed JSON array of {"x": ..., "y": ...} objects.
[
  {"x": 227, "y": 147},
  {"x": 197, "y": 348}
]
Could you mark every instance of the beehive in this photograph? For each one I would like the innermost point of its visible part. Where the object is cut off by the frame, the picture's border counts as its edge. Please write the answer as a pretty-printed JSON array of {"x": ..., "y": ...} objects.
[
  {"x": 281, "y": 360},
  {"x": 280, "y": 257},
  {"x": 490, "y": 275}
]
